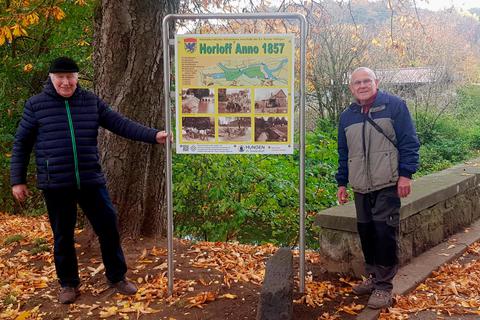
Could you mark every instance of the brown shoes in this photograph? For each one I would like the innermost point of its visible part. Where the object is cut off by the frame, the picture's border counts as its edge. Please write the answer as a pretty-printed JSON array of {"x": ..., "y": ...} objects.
[
  {"x": 364, "y": 287},
  {"x": 124, "y": 287},
  {"x": 380, "y": 299},
  {"x": 68, "y": 295}
]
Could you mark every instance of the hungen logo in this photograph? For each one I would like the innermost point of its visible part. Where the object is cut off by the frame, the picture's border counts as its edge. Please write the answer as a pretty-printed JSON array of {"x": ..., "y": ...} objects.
[{"x": 190, "y": 44}]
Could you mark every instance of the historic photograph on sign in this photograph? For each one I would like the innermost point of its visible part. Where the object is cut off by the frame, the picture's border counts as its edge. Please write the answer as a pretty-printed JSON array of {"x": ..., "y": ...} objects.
[
  {"x": 198, "y": 100},
  {"x": 198, "y": 129},
  {"x": 234, "y": 129},
  {"x": 234, "y": 100},
  {"x": 271, "y": 129},
  {"x": 270, "y": 100}
]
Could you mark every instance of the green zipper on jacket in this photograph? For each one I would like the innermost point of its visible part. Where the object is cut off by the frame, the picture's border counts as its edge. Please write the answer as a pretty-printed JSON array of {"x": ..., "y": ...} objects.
[
  {"x": 74, "y": 145},
  {"x": 48, "y": 173}
]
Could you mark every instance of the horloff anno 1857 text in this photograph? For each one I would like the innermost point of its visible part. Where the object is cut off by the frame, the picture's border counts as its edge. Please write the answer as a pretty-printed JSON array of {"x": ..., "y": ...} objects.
[{"x": 238, "y": 48}]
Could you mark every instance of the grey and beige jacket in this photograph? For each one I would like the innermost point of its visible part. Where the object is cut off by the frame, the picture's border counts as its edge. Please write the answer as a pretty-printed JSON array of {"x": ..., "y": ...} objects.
[{"x": 368, "y": 160}]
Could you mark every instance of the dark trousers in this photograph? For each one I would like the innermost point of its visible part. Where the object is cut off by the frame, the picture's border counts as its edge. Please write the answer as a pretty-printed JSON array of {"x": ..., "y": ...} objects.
[
  {"x": 97, "y": 206},
  {"x": 378, "y": 215}
]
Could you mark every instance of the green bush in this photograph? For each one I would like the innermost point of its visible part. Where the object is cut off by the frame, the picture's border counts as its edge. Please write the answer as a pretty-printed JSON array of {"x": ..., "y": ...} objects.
[
  {"x": 252, "y": 198},
  {"x": 452, "y": 137},
  {"x": 431, "y": 160}
]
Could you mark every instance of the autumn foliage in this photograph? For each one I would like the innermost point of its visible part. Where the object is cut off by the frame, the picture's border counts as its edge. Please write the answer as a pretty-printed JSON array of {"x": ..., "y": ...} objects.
[
  {"x": 22, "y": 15},
  {"x": 32, "y": 33}
]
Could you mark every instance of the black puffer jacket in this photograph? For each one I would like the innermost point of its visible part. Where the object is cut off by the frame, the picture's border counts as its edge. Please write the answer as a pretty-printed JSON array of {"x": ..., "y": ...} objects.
[{"x": 64, "y": 133}]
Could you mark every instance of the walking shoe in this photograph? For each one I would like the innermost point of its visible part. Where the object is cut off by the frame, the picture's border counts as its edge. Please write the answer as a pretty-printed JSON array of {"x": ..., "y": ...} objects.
[
  {"x": 68, "y": 295},
  {"x": 363, "y": 288},
  {"x": 124, "y": 287},
  {"x": 380, "y": 299}
]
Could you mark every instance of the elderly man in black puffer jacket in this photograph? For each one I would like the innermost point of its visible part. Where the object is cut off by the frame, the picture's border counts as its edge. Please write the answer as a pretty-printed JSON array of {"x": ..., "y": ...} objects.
[{"x": 62, "y": 124}]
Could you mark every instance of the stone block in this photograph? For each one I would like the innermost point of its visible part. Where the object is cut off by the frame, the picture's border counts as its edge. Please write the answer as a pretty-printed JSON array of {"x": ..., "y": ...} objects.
[
  {"x": 435, "y": 236},
  {"x": 276, "y": 297},
  {"x": 475, "y": 198},
  {"x": 411, "y": 223},
  {"x": 420, "y": 240},
  {"x": 449, "y": 216},
  {"x": 341, "y": 252},
  {"x": 405, "y": 248},
  {"x": 459, "y": 216},
  {"x": 449, "y": 203},
  {"x": 441, "y": 204},
  {"x": 339, "y": 245},
  {"x": 435, "y": 220}
]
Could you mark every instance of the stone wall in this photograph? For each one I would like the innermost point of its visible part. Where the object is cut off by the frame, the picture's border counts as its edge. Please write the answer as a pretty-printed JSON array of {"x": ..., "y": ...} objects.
[{"x": 440, "y": 205}]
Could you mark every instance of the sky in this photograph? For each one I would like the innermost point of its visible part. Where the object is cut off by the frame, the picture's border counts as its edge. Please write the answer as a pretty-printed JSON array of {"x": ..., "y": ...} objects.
[{"x": 442, "y": 4}]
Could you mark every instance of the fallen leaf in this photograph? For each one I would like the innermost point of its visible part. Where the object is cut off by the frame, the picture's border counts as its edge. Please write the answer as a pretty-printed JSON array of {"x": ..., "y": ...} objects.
[{"x": 108, "y": 312}]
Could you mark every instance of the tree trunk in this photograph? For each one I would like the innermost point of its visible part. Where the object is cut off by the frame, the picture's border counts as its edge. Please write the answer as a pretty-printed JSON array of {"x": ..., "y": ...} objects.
[{"x": 128, "y": 63}]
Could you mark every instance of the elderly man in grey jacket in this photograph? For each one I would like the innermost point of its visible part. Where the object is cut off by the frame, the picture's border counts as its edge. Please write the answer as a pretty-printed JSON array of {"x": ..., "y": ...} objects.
[{"x": 378, "y": 154}]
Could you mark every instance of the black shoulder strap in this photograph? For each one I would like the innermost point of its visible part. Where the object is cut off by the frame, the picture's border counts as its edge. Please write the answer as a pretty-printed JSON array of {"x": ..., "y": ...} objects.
[{"x": 379, "y": 129}]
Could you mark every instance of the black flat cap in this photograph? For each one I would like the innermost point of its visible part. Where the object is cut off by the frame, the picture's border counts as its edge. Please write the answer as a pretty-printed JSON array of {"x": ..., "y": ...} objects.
[{"x": 63, "y": 64}]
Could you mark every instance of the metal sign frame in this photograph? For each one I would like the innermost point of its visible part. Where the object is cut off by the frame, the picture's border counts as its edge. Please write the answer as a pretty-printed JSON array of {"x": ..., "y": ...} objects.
[{"x": 168, "y": 128}]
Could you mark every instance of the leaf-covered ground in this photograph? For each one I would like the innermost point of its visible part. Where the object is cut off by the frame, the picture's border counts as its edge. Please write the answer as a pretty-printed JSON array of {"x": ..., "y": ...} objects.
[
  {"x": 212, "y": 281},
  {"x": 452, "y": 290}
]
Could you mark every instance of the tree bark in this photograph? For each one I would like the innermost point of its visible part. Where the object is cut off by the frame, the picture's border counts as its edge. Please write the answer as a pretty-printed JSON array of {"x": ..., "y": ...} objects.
[{"x": 128, "y": 75}]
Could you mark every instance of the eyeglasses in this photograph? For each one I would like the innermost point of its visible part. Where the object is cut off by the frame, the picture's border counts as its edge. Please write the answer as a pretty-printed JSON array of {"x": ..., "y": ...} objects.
[{"x": 358, "y": 83}]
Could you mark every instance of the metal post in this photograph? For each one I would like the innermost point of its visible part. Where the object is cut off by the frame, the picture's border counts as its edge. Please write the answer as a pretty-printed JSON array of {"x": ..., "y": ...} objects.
[
  {"x": 303, "y": 23},
  {"x": 166, "y": 66},
  {"x": 168, "y": 151}
]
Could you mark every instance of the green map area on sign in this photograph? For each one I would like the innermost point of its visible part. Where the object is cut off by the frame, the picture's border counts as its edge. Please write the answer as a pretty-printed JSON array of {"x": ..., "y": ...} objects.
[{"x": 252, "y": 72}]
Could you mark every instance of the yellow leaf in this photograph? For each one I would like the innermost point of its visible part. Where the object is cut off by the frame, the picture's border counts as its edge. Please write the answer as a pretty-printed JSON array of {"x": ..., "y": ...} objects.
[
  {"x": 18, "y": 31},
  {"x": 149, "y": 310},
  {"x": 24, "y": 315},
  {"x": 352, "y": 308},
  {"x": 2, "y": 38},
  {"x": 7, "y": 33},
  {"x": 375, "y": 42},
  {"x": 465, "y": 304},
  {"x": 30, "y": 19},
  {"x": 58, "y": 13},
  {"x": 228, "y": 296},
  {"x": 453, "y": 287},
  {"x": 28, "y": 67},
  {"x": 423, "y": 287},
  {"x": 40, "y": 285},
  {"x": 108, "y": 312},
  {"x": 80, "y": 2},
  {"x": 144, "y": 254}
]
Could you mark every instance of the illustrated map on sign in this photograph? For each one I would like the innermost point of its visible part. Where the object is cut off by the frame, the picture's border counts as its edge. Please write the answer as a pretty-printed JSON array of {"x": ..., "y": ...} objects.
[{"x": 251, "y": 72}]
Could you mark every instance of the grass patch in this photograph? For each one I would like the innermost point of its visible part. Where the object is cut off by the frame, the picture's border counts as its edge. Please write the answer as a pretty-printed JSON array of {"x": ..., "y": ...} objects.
[
  {"x": 40, "y": 245},
  {"x": 9, "y": 299},
  {"x": 14, "y": 238}
]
